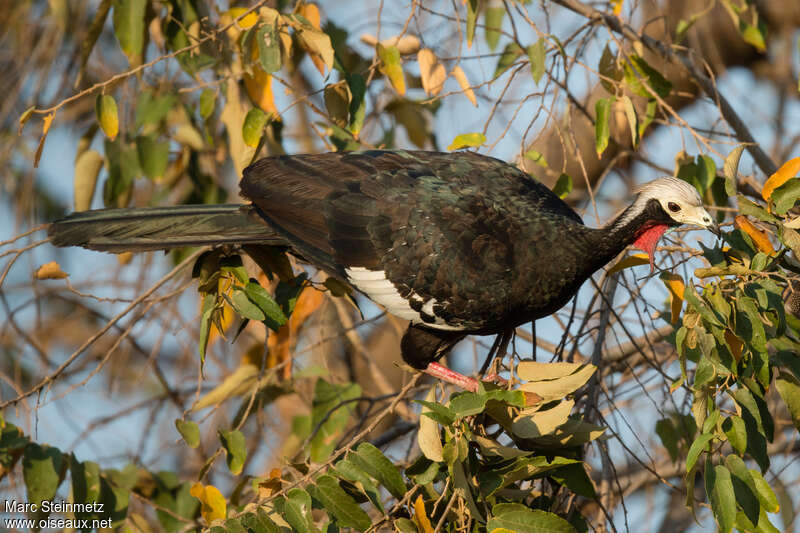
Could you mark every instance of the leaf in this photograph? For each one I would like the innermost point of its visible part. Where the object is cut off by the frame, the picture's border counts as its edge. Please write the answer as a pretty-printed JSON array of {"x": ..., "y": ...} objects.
[
  {"x": 536, "y": 371},
  {"x": 50, "y": 270},
  {"x": 212, "y": 502},
  {"x": 697, "y": 447},
  {"x": 337, "y": 102},
  {"x": 521, "y": 519},
  {"x": 209, "y": 303},
  {"x": 536, "y": 56},
  {"x": 245, "y": 307},
  {"x": 235, "y": 449},
  {"x": 190, "y": 432},
  {"x": 392, "y": 67},
  {"x": 466, "y": 140},
  {"x": 438, "y": 412},
  {"x": 430, "y": 443},
  {"x": 493, "y": 21},
  {"x": 421, "y": 517},
  {"x": 467, "y": 404},
  {"x": 633, "y": 119},
  {"x": 153, "y": 156},
  {"x": 743, "y": 487},
  {"x": 259, "y": 88},
  {"x": 247, "y": 21},
  {"x": 129, "y": 27},
  {"x": 461, "y": 77},
  {"x": 758, "y": 236},
  {"x": 609, "y": 70},
  {"x": 47, "y": 121},
  {"x": 273, "y": 314},
  {"x": 269, "y": 50},
  {"x": 602, "y": 130},
  {"x": 331, "y": 409},
  {"x": 208, "y": 101},
  {"x": 43, "y": 469},
  {"x": 563, "y": 186},
  {"x": 297, "y": 511},
  {"x": 319, "y": 43},
  {"x": 151, "y": 109},
  {"x": 657, "y": 82},
  {"x": 536, "y": 157},
  {"x": 373, "y": 462},
  {"x": 764, "y": 493},
  {"x": 105, "y": 108},
  {"x": 734, "y": 429},
  {"x": 787, "y": 171},
  {"x": 789, "y": 389},
  {"x": 676, "y": 288},
  {"x": 785, "y": 197},
  {"x": 431, "y": 71},
  {"x": 340, "y": 504},
  {"x": 511, "y": 52},
  {"x": 87, "y": 168},
  {"x": 472, "y": 15},
  {"x": 253, "y": 127},
  {"x": 719, "y": 489},
  {"x": 628, "y": 262},
  {"x": 557, "y": 389},
  {"x": 669, "y": 437},
  {"x": 731, "y": 170},
  {"x": 539, "y": 423}
]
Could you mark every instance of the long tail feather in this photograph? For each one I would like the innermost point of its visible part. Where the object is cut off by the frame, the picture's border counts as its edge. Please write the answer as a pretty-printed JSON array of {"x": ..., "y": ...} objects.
[{"x": 161, "y": 228}]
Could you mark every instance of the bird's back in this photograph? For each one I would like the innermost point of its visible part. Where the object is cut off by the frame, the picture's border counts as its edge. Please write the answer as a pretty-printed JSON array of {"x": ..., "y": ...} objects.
[{"x": 450, "y": 240}]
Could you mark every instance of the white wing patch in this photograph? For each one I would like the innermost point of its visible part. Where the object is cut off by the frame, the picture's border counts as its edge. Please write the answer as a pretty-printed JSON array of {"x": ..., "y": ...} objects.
[{"x": 380, "y": 290}]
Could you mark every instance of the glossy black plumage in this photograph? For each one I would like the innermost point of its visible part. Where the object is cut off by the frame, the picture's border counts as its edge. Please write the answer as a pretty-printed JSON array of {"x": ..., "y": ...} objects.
[{"x": 470, "y": 243}]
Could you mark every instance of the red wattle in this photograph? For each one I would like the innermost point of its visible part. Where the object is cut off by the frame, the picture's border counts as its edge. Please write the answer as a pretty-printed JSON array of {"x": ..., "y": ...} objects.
[{"x": 647, "y": 239}]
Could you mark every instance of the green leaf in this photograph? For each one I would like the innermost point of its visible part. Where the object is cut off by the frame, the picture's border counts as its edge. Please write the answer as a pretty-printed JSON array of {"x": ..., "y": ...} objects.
[
  {"x": 639, "y": 71},
  {"x": 358, "y": 105},
  {"x": 372, "y": 461},
  {"x": 472, "y": 15},
  {"x": 190, "y": 432},
  {"x": 245, "y": 307},
  {"x": 153, "y": 156},
  {"x": 563, "y": 186},
  {"x": 536, "y": 157},
  {"x": 764, "y": 492},
  {"x": 346, "y": 470},
  {"x": 340, "y": 504},
  {"x": 331, "y": 409},
  {"x": 297, "y": 511},
  {"x": 753, "y": 35},
  {"x": 493, "y": 20},
  {"x": 253, "y": 127},
  {"x": 692, "y": 298},
  {"x": 129, "y": 27},
  {"x": 743, "y": 487},
  {"x": 633, "y": 119},
  {"x": 43, "y": 468},
  {"x": 669, "y": 438},
  {"x": 208, "y": 101},
  {"x": 786, "y": 196},
  {"x": 719, "y": 489},
  {"x": 576, "y": 479},
  {"x": 467, "y": 404},
  {"x": 466, "y": 140},
  {"x": 123, "y": 169},
  {"x": 85, "y": 484},
  {"x": 521, "y": 519},
  {"x": 697, "y": 447},
  {"x": 789, "y": 388},
  {"x": 510, "y": 53},
  {"x": 756, "y": 438},
  {"x": 438, "y": 412},
  {"x": 209, "y": 303},
  {"x": 602, "y": 130},
  {"x": 151, "y": 109},
  {"x": 269, "y": 50},
  {"x": 105, "y": 108},
  {"x": 235, "y": 449},
  {"x": 609, "y": 70},
  {"x": 274, "y": 316},
  {"x": 536, "y": 55},
  {"x": 735, "y": 430}
]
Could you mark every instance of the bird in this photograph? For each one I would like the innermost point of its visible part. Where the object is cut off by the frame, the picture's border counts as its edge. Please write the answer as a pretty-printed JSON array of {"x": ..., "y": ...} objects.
[{"x": 457, "y": 243}]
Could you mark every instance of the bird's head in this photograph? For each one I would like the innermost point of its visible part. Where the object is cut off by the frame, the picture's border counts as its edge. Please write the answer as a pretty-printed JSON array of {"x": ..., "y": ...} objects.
[{"x": 662, "y": 204}]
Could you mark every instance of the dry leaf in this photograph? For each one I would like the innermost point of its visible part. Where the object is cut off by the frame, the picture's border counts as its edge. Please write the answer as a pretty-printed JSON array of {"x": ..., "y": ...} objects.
[
  {"x": 87, "y": 168},
  {"x": 675, "y": 286},
  {"x": 48, "y": 121},
  {"x": 759, "y": 237},
  {"x": 407, "y": 44},
  {"x": 461, "y": 78},
  {"x": 50, "y": 270},
  {"x": 431, "y": 71},
  {"x": 430, "y": 444}
]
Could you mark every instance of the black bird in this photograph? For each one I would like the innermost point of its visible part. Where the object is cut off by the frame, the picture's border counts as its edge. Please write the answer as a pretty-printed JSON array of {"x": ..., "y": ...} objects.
[{"x": 457, "y": 243}]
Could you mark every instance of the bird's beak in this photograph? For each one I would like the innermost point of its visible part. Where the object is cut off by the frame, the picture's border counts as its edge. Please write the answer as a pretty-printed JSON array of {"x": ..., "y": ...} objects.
[{"x": 707, "y": 221}]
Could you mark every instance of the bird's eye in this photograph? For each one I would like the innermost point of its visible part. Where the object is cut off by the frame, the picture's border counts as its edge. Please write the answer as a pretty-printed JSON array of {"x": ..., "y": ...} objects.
[{"x": 672, "y": 206}]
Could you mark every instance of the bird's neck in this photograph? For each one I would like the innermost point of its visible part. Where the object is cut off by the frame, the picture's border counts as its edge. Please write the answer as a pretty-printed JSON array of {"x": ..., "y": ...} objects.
[{"x": 642, "y": 225}]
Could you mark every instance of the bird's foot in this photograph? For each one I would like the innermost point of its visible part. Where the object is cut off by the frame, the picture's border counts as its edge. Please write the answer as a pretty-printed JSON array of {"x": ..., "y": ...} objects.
[{"x": 460, "y": 380}]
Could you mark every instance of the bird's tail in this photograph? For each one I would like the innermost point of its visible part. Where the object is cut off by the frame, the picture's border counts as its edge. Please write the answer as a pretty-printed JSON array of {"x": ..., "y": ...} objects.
[{"x": 161, "y": 228}]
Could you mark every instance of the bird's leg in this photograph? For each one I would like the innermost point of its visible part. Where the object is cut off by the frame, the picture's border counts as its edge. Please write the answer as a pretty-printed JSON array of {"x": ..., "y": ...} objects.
[{"x": 451, "y": 376}]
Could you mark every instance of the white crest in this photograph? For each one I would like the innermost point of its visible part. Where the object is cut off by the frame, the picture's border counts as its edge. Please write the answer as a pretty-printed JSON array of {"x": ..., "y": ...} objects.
[{"x": 679, "y": 200}]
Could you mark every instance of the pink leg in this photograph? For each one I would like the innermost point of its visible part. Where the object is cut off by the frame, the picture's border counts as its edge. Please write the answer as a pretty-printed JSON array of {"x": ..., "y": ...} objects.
[{"x": 451, "y": 376}]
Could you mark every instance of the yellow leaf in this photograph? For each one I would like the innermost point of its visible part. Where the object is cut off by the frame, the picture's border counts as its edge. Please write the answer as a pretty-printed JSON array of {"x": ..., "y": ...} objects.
[
  {"x": 105, "y": 107},
  {"x": 407, "y": 44},
  {"x": 23, "y": 118},
  {"x": 212, "y": 502},
  {"x": 259, "y": 89},
  {"x": 675, "y": 286},
  {"x": 317, "y": 42},
  {"x": 788, "y": 170},
  {"x": 617, "y": 6},
  {"x": 420, "y": 517},
  {"x": 124, "y": 258},
  {"x": 48, "y": 121},
  {"x": 538, "y": 371},
  {"x": 392, "y": 67},
  {"x": 311, "y": 13},
  {"x": 281, "y": 344},
  {"x": 461, "y": 78},
  {"x": 431, "y": 71},
  {"x": 556, "y": 389},
  {"x": 50, "y": 270},
  {"x": 466, "y": 140},
  {"x": 532, "y": 423},
  {"x": 759, "y": 237},
  {"x": 629, "y": 261},
  {"x": 735, "y": 345},
  {"x": 247, "y": 21},
  {"x": 242, "y": 381}
]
